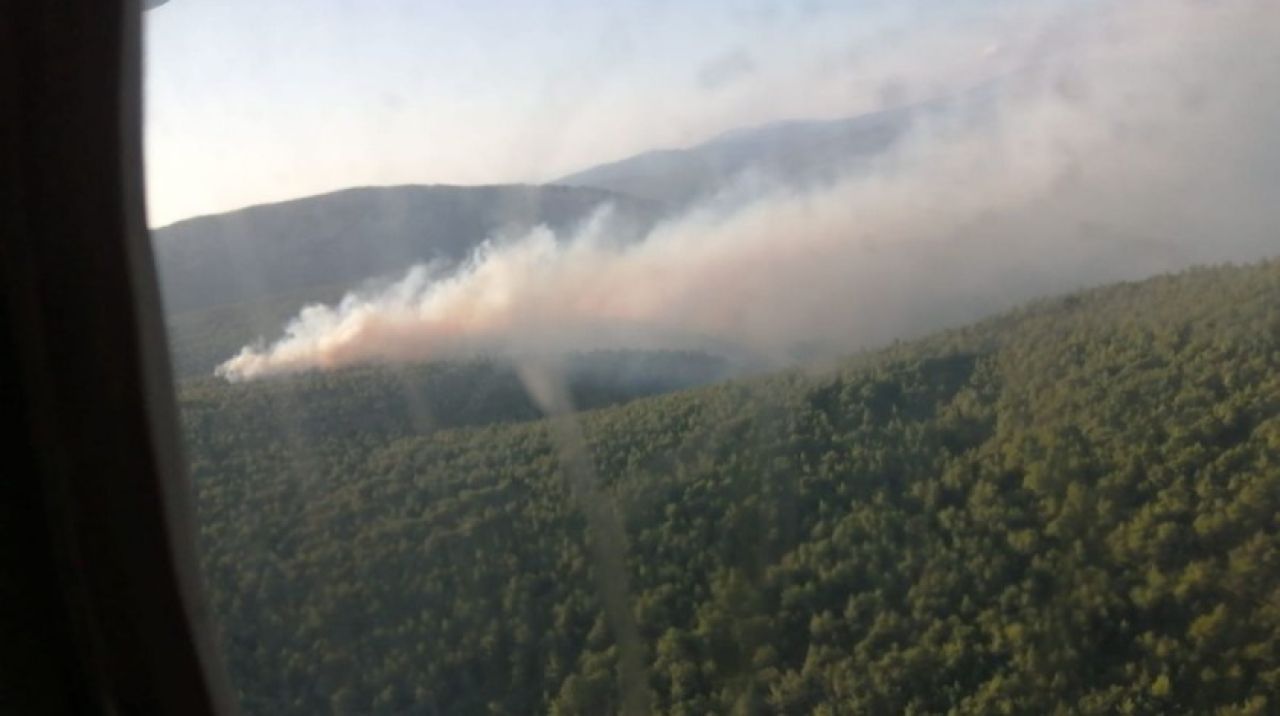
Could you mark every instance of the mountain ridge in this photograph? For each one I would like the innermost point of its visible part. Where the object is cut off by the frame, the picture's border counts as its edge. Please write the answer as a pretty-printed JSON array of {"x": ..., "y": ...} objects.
[{"x": 791, "y": 151}]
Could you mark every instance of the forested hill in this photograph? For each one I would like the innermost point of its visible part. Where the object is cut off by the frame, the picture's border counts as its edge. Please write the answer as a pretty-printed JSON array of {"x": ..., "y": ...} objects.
[
  {"x": 387, "y": 402},
  {"x": 1068, "y": 509}
]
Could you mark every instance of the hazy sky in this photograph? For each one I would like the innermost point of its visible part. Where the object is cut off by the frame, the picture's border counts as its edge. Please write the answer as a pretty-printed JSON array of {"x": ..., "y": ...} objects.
[{"x": 251, "y": 101}]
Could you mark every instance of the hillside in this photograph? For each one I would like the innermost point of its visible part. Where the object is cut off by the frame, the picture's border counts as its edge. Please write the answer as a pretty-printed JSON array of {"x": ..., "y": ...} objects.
[
  {"x": 1071, "y": 508},
  {"x": 389, "y": 402},
  {"x": 231, "y": 278}
]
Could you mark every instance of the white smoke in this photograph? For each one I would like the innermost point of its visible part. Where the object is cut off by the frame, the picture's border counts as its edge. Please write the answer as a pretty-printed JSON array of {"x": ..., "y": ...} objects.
[{"x": 1136, "y": 138}]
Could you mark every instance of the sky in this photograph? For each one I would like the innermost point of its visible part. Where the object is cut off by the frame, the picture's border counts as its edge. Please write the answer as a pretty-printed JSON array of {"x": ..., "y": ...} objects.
[{"x": 250, "y": 102}]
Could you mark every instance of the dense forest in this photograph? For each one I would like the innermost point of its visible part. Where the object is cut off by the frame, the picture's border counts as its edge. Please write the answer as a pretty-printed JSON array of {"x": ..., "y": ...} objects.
[{"x": 1071, "y": 508}]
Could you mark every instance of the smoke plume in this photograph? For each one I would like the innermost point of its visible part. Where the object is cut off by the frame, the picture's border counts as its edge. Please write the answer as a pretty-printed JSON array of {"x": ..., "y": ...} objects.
[{"x": 1134, "y": 138}]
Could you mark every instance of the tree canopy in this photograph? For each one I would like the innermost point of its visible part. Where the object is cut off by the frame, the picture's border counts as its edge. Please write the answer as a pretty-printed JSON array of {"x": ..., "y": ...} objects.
[{"x": 1071, "y": 508}]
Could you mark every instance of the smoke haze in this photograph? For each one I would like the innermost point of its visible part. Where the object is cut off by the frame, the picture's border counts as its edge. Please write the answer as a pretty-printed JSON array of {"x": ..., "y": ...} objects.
[{"x": 1133, "y": 139}]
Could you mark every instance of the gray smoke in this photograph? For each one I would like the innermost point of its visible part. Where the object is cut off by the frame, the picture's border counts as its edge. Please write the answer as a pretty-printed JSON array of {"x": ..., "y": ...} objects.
[{"x": 1135, "y": 138}]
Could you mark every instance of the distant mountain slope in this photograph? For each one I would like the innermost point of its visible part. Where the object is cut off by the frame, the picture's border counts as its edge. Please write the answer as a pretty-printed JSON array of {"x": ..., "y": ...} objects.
[
  {"x": 798, "y": 152},
  {"x": 231, "y": 278},
  {"x": 351, "y": 235},
  {"x": 793, "y": 151}
]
